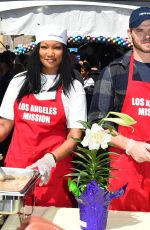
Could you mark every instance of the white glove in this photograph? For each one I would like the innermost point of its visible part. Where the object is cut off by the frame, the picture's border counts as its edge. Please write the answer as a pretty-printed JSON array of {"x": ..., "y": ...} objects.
[
  {"x": 138, "y": 150},
  {"x": 44, "y": 165}
]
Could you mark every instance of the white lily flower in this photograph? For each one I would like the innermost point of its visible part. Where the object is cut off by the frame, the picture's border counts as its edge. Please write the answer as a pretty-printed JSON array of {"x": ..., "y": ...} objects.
[{"x": 96, "y": 137}]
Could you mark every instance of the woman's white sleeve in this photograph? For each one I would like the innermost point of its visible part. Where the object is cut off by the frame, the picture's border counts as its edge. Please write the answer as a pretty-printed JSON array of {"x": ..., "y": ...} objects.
[
  {"x": 7, "y": 106},
  {"x": 75, "y": 106}
]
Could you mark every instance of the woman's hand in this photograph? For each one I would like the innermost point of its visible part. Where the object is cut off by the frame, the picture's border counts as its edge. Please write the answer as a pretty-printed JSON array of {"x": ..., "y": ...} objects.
[{"x": 44, "y": 165}]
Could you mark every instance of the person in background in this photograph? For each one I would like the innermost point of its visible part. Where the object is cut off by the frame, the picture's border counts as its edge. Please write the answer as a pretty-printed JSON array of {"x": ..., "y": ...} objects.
[
  {"x": 18, "y": 68},
  {"x": 76, "y": 66},
  {"x": 88, "y": 82},
  {"x": 44, "y": 105},
  {"x": 95, "y": 71},
  {"x": 22, "y": 59},
  {"x": 10, "y": 56},
  {"x": 124, "y": 86},
  {"x": 6, "y": 73},
  {"x": 75, "y": 60}
]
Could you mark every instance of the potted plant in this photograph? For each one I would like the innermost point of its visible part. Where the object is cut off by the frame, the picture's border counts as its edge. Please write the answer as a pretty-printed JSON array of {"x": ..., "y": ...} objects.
[{"x": 90, "y": 179}]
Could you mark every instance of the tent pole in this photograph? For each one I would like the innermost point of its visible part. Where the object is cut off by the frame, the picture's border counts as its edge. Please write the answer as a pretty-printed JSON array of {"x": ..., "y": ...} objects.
[{"x": 13, "y": 42}]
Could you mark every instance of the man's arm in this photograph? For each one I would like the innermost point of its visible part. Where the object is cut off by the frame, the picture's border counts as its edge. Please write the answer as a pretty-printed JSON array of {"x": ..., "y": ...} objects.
[{"x": 138, "y": 150}]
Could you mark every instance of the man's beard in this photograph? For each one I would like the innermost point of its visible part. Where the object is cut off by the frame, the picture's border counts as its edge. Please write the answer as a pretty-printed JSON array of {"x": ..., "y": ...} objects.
[{"x": 140, "y": 47}]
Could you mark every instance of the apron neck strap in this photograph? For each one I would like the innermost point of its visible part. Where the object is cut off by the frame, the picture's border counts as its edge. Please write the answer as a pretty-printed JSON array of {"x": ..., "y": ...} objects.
[{"x": 131, "y": 67}]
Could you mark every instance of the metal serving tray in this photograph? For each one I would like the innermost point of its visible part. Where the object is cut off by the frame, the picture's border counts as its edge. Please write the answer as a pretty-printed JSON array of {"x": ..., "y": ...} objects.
[{"x": 12, "y": 201}]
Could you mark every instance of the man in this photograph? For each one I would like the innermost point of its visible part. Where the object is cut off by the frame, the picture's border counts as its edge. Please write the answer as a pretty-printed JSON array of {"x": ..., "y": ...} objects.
[{"x": 124, "y": 86}]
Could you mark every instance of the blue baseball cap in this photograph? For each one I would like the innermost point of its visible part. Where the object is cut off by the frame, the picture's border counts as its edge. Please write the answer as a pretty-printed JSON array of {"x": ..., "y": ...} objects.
[{"x": 138, "y": 16}]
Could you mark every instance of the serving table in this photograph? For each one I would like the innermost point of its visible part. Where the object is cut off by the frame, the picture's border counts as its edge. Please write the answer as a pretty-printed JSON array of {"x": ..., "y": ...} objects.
[{"x": 68, "y": 219}]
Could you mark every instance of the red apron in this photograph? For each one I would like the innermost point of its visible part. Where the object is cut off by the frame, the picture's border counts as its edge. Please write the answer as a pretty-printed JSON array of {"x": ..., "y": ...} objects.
[
  {"x": 137, "y": 175},
  {"x": 40, "y": 127}
]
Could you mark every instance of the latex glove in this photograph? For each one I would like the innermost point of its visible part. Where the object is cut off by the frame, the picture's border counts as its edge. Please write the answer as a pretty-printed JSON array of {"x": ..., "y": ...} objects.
[
  {"x": 138, "y": 150},
  {"x": 44, "y": 165}
]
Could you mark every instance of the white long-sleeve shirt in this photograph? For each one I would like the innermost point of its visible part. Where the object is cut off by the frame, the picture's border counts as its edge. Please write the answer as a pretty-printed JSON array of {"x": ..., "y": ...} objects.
[{"x": 74, "y": 104}]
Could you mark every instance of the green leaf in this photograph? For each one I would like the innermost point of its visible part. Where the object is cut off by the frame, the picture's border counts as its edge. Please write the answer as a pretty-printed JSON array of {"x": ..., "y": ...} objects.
[
  {"x": 110, "y": 153},
  {"x": 109, "y": 127},
  {"x": 103, "y": 169},
  {"x": 105, "y": 160},
  {"x": 123, "y": 119},
  {"x": 81, "y": 156},
  {"x": 73, "y": 188},
  {"x": 103, "y": 155},
  {"x": 82, "y": 173},
  {"x": 76, "y": 139},
  {"x": 85, "y": 124},
  {"x": 118, "y": 121},
  {"x": 84, "y": 150},
  {"x": 80, "y": 163}
]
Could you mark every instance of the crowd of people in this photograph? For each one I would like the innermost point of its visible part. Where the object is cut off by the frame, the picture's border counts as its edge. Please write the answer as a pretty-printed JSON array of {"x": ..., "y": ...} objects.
[{"x": 43, "y": 103}]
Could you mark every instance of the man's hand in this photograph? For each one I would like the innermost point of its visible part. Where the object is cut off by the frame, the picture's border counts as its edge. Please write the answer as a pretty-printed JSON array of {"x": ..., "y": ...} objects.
[
  {"x": 139, "y": 151},
  {"x": 44, "y": 165}
]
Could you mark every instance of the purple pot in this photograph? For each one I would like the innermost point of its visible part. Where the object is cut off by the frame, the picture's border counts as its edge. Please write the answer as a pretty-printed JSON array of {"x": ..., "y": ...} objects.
[{"x": 93, "y": 205}]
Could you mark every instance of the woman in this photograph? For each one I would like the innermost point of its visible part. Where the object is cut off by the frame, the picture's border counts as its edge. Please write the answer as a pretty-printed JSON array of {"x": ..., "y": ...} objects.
[{"x": 44, "y": 105}]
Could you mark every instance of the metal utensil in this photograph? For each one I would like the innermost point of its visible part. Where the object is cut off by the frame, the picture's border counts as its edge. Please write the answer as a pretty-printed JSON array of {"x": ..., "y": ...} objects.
[{"x": 5, "y": 176}]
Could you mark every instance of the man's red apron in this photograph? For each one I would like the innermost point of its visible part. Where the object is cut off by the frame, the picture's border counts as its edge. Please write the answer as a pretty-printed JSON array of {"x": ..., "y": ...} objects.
[
  {"x": 137, "y": 175},
  {"x": 40, "y": 127}
]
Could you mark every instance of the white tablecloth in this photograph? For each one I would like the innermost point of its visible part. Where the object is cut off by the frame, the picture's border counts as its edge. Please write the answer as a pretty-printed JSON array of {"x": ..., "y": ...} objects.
[{"x": 68, "y": 219}]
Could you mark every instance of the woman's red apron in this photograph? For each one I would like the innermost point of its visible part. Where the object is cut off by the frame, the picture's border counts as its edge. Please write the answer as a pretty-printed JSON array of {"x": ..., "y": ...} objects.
[
  {"x": 40, "y": 127},
  {"x": 137, "y": 175}
]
